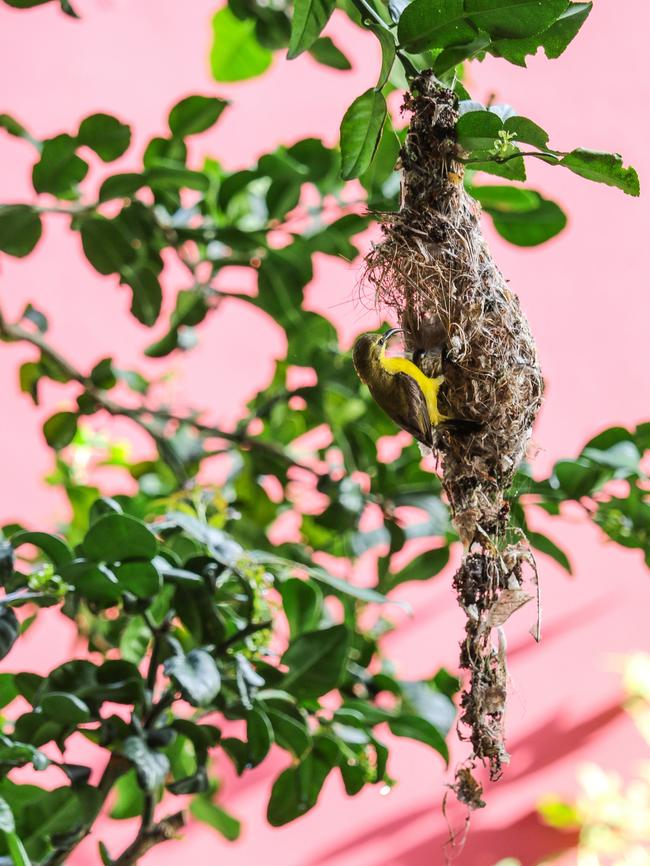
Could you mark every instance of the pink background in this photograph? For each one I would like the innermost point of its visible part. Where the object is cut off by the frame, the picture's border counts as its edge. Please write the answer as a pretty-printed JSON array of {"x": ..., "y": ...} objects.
[{"x": 585, "y": 294}]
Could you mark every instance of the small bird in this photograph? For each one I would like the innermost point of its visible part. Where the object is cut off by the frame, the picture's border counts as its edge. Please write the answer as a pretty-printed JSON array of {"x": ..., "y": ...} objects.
[{"x": 401, "y": 389}]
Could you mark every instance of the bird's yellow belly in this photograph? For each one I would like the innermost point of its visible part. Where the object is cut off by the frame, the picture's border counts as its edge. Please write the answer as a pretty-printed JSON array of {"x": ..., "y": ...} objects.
[{"x": 429, "y": 387}]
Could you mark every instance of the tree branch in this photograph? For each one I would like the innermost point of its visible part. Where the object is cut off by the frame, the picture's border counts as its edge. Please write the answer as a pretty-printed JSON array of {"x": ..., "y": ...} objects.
[
  {"x": 150, "y": 836},
  {"x": 140, "y": 414}
]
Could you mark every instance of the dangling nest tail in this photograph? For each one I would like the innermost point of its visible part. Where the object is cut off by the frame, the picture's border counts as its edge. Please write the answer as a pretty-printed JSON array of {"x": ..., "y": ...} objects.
[{"x": 434, "y": 270}]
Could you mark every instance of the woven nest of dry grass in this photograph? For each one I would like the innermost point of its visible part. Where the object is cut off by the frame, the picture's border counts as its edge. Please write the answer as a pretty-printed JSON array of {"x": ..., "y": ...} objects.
[{"x": 434, "y": 271}]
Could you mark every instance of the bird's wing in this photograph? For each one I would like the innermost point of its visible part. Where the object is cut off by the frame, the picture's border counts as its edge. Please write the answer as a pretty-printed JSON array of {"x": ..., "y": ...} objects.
[{"x": 417, "y": 421}]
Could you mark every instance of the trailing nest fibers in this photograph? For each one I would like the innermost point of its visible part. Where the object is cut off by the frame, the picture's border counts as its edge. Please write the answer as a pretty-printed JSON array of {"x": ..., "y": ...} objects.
[{"x": 433, "y": 269}]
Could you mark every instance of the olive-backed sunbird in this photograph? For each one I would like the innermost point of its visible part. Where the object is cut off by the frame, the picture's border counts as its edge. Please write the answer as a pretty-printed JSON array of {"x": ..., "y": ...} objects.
[{"x": 404, "y": 392}]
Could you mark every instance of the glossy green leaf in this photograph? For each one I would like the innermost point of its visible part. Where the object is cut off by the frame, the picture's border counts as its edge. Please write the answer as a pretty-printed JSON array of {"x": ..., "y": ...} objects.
[
  {"x": 259, "y": 734},
  {"x": 147, "y": 294},
  {"x": 195, "y": 114},
  {"x": 325, "y": 52},
  {"x": 302, "y": 602},
  {"x": 554, "y": 40},
  {"x": 116, "y": 537},
  {"x": 9, "y": 630},
  {"x": 316, "y": 661},
  {"x": 129, "y": 801},
  {"x": 20, "y": 229},
  {"x": 53, "y": 546},
  {"x": 388, "y": 49},
  {"x": 203, "y": 809},
  {"x": 59, "y": 429},
  {"x": 59, "y": 169},
  {"x": 521, "y": 216},
  {"x": 604, "y": 168},
  {"x": 106, "y": 245},
  {"x": 296, "y": 790},
  {"x": 513, "y": 19},
  {"x": 121, "y": 186},
  {"x": 434, "y": 24},
  {"x": 416, "y": 728},
  {"x": 309, "y": 18},
  {"x": 360, "y": 131},
  {"x": 236, "y": 53},
  {"x": 64, "y": 708},
  {"x": 423, "y": 567},
  {"x": 106, "y": 135},
  {"x": 546, "y": 545},
  {"x": 140, "y": 578},
  {"x": 151, "y": 767},
  {"x": 196, "y": 675}
]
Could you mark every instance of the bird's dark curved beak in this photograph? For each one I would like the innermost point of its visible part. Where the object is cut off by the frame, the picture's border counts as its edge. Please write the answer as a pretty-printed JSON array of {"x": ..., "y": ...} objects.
[{"x": 390, "y": 334}]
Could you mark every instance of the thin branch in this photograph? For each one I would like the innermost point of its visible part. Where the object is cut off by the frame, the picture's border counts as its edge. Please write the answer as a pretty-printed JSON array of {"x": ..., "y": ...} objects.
[
  {"x": 140, "y": 415},
  {"x": 148, "y": 837}
]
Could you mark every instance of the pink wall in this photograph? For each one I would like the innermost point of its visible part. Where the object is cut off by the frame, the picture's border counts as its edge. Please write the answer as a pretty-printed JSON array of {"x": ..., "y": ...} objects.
[{"x": 583, "y": 293}]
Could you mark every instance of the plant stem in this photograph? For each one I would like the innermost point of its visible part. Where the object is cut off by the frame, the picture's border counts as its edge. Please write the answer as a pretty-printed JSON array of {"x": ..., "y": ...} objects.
[
  {"x": 140, "y": 414},
  {"x": 150, "y": 836}
]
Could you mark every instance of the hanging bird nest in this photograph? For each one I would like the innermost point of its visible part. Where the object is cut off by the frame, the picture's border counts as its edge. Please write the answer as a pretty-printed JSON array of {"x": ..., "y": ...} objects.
[{"x": 434, "y": 271}]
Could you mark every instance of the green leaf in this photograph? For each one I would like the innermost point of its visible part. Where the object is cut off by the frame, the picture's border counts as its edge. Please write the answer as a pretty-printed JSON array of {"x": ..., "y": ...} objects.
[
  {"x": 550, "y": 548},
  {"x": 416, "y": 728},
  {"x": 514, "y": 19},
  {"x": 388, "y": 49},
  {"x": 423, "y": 567},
  {"x": 450, "y": 57},
  {"x": 302, "y": 602},
  {"x": 147, "y": 295},
  {"x": 527, "y": 131},
  {"x": 309, "y": 18},
  {"x": 59, "y": 429},
  {"x": 134, "y": 640},
  {"x": 478, "y": 130},
  {"x": 236, "y": 54},
  {"x": 259, "y": 734},
  {"x": 16, "y": 129},
  {"x": 196, "y": 675},
  {"x": 521, "y": 216},
  {"x": 434, "y": 24},
  {"x": 140, "y": 578},
  {"x": 20, "y": 229},
  {"x": 554, "y": 40},
  {"x": 17, "y": 850},
  {"x": 195, "y": 114},
  {"x": 106, "y": 245},
  {"x": 324, "y": 51},
  {"x": 9, "y": 630},
  {"x": 576, "y": 479},
  {"x": 360, "y": 131},
  {"x": 59, "y": 169},
  {"x": 604, "y": 168},
  {"x": 115, "y": 537},
  {"x": 121, "y": 186},
  {"x": 7, "y": 823},
  {"x": 316, "y": 661},
  {"x": 151, "y": 767},
  {"x": 203, "y": 809},
  {"x": 129, "y": 802},
  {"x": 296, "y": 790},
  {"x": 53, "y": 546},
  {"x": 106, "y": 135},
  {"x": 290, "y": 729},
  {"x": 8, "y": 689},
  {"x": 64, "y": 708}
]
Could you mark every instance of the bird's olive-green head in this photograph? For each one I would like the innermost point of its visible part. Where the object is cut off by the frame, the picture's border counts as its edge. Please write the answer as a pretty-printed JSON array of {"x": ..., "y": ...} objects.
[{"x": 367, "y": 350}]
